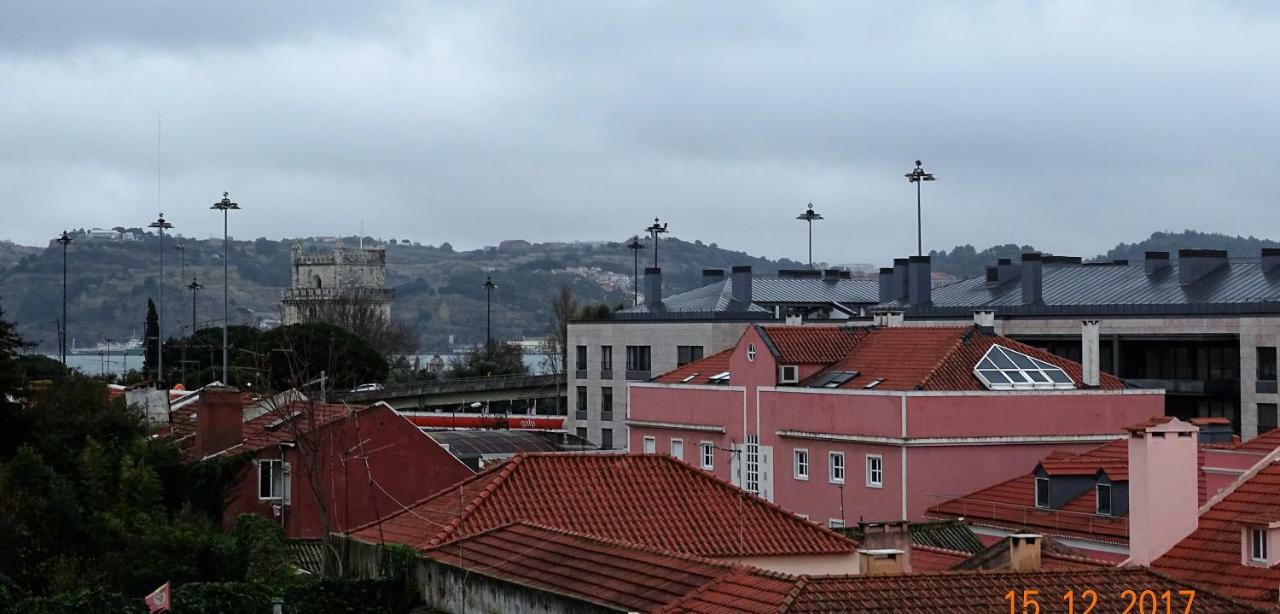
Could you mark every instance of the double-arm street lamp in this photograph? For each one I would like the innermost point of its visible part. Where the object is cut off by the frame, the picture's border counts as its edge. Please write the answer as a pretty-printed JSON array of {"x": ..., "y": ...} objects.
[
  {"x": 656, "y": 230},
  {"x": 225, "y": 205},
  {"x": 918, "y": 176},
  {"x": 810, "y": 216}
]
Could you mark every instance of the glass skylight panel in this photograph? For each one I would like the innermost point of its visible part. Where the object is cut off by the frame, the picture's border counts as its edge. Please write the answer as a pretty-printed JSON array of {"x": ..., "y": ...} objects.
[
  {"x": 833, "y": 379},
  {"x": 689, "y": 378},
  {"x": 719, "y": 378},
  {"x": 1004, "y": 369}
]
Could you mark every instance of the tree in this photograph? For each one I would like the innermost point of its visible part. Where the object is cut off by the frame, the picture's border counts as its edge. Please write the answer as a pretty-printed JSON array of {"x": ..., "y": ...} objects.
[
  {"x": 564, "y": 307},
  {"x": 367, "y": 320},
  {"x": 151, "y": 332},
  {"x": 502, "y": 358},
  {"x": 300, "y": 353}
]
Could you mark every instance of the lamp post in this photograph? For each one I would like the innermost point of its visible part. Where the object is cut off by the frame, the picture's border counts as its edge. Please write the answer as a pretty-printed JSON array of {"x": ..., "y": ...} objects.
[
  {"x": 916, "y": 176},
  {"x": 194, "y": 286},
  {"x": 225, "y": 205},
  {"x": 64, "y": 240},
  {"x": 656, "y": 230},
  {"x": 488, "y": 299},
  {"x": 809, "y": 216},
  {"x": 635, "y": 246},
  {"x": 160, "y": 225}
]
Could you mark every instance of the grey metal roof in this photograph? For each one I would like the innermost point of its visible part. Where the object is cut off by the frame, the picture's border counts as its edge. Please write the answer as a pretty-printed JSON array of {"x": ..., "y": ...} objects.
[
  {"x": 766, "y": 291},
  {"x": 1239, "y": 286},
  {"x": 471, "y": 447}
]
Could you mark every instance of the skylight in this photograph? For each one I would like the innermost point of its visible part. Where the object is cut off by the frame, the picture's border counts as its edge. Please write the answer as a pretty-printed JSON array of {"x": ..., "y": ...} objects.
[
  {"x": 689, "y": 378},
  {"x": 833, "y": 379},
  {"x": 719, "y": 378},
  {"x": 874, "y": 383},
  {"x": 1004, "y": 369}
]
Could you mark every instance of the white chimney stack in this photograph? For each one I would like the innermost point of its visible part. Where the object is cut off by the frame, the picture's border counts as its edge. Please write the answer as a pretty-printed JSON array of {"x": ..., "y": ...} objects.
[
  {"x": 1164, "y": 492},
  {"x": 1089, "y": 352}
]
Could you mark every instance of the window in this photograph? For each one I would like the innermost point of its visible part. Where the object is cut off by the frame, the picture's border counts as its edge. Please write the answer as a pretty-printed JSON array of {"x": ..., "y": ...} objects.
[
  {"x": 788, "y": 374},
  {"x": 582, "y": 401},
  {"x": 753, "y": 464},
  {"x": 686, "y": 354},
  {"x": 1004, "y": 369},
  {"x": 606, "y": 439},
  {"x": 1258, "y": 545},
  {"x": 650, "y": 445},
  {"x": 271, "y": 479},
  {"x": 707, "y": 452},
  {"x": 1267, "y": 364},
  {"x": 606, "y": 402},
  {"x": 833, "y": 379},
  {"x": 1104, "y": 499},
  {"x": 875, "y": 471},
  {"x": 1042, "y": 492},
  {"x": 581, "y": 362},
  {"x": 677, "y": 448},
  {"x": 1266, "y": 417},
  {"x": 637, "y": 358},
  {"x": 606, "y": 358},
  {"x": 835, "y": 467},
  {"x": 801, "y": 471},
  {"x": 835, "y": 523},
  {"x": 751, "y": 352},
  {"x": 582, "y": 432},
  {"x": 719, "y": 378}
]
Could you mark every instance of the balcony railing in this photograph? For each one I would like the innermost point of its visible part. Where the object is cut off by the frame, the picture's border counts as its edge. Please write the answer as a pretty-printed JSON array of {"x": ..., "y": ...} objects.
[{"x": 1031, "y": 517}]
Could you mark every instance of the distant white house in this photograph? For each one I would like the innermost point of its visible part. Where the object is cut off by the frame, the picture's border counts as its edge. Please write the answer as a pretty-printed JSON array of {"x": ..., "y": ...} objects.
[{"x": 103, "y": 233}]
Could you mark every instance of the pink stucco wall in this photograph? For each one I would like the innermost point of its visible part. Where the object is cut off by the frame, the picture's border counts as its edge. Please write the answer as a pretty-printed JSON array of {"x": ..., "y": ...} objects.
[
  {"x": 1163, "y": 489},
  {"x": 1222, "y": 467},
  {"x": 1029, "y": 413}
]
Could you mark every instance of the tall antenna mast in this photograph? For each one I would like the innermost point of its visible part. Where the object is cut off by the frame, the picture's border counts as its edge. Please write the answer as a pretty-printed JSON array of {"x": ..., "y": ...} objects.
[
  {"x": 361, "y": 233},
  {"x": 159, "y": 131}
]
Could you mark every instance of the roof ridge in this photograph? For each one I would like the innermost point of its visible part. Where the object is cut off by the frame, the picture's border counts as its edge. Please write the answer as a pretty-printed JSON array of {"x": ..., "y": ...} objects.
[
  {"x": 504, "y": 471},
  {"x": 1199, "y": 588},
  {"x": 794, "y": 593},
  {"x": 947, "y": 354},
  {"x": 1252, "y": 472}
]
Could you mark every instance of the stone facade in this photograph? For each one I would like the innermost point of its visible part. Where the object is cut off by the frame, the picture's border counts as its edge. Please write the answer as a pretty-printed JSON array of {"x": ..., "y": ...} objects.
[{"x": 321, "y": 283}]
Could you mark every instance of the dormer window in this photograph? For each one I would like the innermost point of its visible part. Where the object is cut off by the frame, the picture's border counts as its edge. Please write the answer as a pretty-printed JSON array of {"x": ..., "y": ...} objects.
[
  {"x": 1258, "y": 545},
  {"x": 1103, "y": 499},
  {"x": 1042, "y": 493},
  {"x": 788, "y": 374}
]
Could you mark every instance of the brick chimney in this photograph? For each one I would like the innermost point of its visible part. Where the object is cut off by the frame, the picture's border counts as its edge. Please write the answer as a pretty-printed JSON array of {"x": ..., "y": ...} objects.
[
  {"x": 886, "y": 536},
  {"x": 219, "y": 418},
  {"x": 1024, "y": 552},
  {"x": 653, "y": 287},
  {"x": 1164, "y": 505}
]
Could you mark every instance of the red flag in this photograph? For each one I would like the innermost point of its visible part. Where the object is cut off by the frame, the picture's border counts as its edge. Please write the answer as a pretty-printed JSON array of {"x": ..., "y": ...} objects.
[{"x": 158, "y": 600}]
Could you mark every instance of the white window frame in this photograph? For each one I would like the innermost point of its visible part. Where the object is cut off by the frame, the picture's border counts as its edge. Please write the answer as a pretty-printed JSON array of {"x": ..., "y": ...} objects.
[
  {"x": 707, "y": 455},
  {"x": 832, "y": 466},
  {"x": 1097, "y": 500},
  {"x": 800, "y": 468},
  {"x": 275, "y": 469},
  {"x": 650, "y": 445},
  {"x": 677, "y": 441},
  {"x": 1044, "y": 505},
  {"x": 875, "y": 475},
  {"x": 752, "y": 464},
  {"x": 1258, "y": 545},
  {"x": 835, "y": 523},
  {"x": 788, "y": 374}
]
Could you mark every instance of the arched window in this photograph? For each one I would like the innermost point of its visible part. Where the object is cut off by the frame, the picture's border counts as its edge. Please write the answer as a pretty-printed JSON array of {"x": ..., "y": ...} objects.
[{"x": 319, "y": 284}]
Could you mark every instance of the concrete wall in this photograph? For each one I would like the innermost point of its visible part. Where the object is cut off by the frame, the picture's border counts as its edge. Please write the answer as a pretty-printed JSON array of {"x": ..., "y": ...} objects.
[{"x": 804, "y": 564}]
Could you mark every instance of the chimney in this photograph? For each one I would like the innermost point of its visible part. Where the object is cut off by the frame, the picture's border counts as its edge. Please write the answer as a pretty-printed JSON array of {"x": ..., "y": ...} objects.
[
  {"x": 985, "y": 318},
  {"x": 894, "y": 318},
  {"x": 1194, "y": 264},
  {"x": 1008, "y": 270},
  {"x": 888, "y": 536},
  {"x": 1024, "y": 552},
  {"x": 742, "y": 284},
  {"x": 993, "y": 276},
  {"x": 881, "y": 562},
  {"x": 1270, "y": 259},
  {"x": 1164, "y": 493},
  {"x": 832, "y": 276},
  {"x": 886, "y": 284},
  {"x": 712, "y": 276},
  {"x": 1032, "y": 279},
  {"x": 219, "y": 417},
  {"x": 653, "y": 286},
  {"x": 920, "y": 280},
  {"x": 900, "y": 279},
  {"x": 1155, "y": 262},
  {"x": 1089, "y": 353},
  {"x": 1214, "y": 430}
]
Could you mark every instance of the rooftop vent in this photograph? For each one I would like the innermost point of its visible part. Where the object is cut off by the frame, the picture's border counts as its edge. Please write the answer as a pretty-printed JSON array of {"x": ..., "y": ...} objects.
[
  {"x": 1008, "y": 270},
  {"x": 1032, "y": 279},
  {"x": 1195, "y": 264},
  {"x": 653, "y": 287},
  {"x": 920, "y": 281},
  {"x": 742, "y": 284},
  {"x": 886, "y": 284},
  {"x": 712, "y": 276},
  {"x": 1270, "y": 259},
  {"x": 835, "y": 275},
  {"x": 900, "y": 279},
  {"x": 1155, "y": 262},
  {"x": 800, "y": 273}
]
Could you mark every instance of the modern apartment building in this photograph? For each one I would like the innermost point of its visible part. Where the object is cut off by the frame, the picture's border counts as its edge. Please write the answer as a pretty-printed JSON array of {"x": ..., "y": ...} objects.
[
  {"x": 662, "y": 334},
  {"x": 1201, "y": 326}
]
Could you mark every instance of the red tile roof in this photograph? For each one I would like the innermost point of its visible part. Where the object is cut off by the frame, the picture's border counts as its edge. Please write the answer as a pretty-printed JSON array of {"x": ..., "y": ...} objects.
[
  {"x": 698, "y": 371},
  {"x": 1011, "y": 504},
  {"x": 904, "y": 357},
  {"x": 928, "y": 558},
  {"x": 649, "y": 500},
  {"x": 1211, "y": 554},
  {"x": 604, "y": 572},
  {"x": 1263, "y": 443},
  {"x": 747, "y": 591}
]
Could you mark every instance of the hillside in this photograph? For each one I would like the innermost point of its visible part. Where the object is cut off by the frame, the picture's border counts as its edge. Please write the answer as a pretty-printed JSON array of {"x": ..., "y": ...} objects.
[{"x": 438, "y": 290}]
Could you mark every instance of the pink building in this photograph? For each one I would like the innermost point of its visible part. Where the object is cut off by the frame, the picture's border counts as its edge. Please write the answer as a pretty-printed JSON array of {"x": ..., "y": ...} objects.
[{"x": 839, "y": 424}]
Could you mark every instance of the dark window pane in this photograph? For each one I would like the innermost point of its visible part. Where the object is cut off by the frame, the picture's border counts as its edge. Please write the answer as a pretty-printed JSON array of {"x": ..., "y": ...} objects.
[
  {"x": 1267, "y": 364},
  {"x": 1266, "y": 417}
]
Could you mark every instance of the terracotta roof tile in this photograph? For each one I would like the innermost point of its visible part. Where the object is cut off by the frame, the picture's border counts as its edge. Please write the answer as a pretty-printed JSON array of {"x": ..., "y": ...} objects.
[
  {"x": 698, "y": 371},
  {"x": 649, "y": 500},
  {"x": 1263, "y": 443},
  {"x": 1211, "y": 555},
  {"x": 812, "y": 344}
]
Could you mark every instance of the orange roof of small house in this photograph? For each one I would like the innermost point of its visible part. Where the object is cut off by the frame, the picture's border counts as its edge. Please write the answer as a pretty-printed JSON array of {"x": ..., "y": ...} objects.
[{"x": 649, "y": 500}]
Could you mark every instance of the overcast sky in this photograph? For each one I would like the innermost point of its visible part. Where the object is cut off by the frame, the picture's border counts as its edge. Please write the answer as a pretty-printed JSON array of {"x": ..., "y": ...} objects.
[{"x": 1069, "y": 125}]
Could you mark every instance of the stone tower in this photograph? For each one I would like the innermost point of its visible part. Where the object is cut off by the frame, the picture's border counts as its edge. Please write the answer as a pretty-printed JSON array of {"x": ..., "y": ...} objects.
[{"x": 325, "y": 285}]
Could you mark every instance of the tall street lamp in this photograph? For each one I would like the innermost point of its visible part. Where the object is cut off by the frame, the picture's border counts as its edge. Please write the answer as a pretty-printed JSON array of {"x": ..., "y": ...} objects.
[
  {"x": 635, "y": 246},
  {"x": 224, "y": 206},
  {"x": 656, "y": 230},
  {"x": 160, "y": 225},
  {"x": 917, "y": 176},
  {"x": 488, "y": 322},
  {"x": 64, "y": 240},
  {"x": 809, "y": 216},
  {"x": 194, "y": 286}
]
